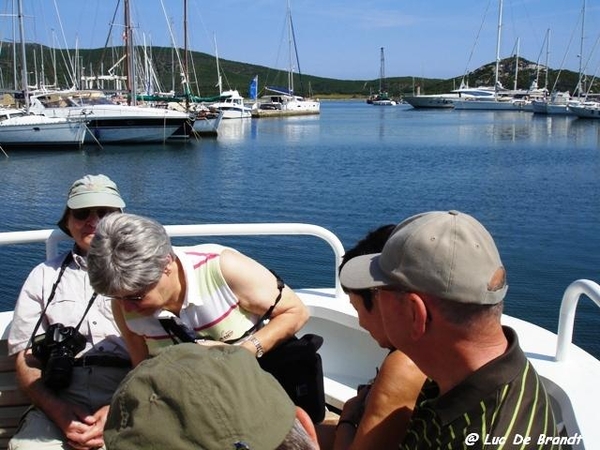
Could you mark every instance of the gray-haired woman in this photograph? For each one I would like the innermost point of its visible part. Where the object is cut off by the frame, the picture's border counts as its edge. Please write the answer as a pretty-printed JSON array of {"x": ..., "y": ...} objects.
[{"x": 215, "y": 292}]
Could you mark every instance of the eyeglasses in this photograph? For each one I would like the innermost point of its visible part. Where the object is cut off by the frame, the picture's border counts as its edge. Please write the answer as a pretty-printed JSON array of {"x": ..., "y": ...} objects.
[
  {"x": 129, "y": 298},
  {"x": 84, "y": 213}
]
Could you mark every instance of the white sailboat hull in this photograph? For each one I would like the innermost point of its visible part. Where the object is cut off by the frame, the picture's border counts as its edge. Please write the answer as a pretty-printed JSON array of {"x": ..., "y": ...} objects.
[
  {"x": 207, "y": 126},
  {"x": 442, "y": 101},
  {"x": 586, "y": 111},
  {"x": 41, "y": 131},
  {"x": 286, "y": 106},
  {"x": 490, "y": 105}
]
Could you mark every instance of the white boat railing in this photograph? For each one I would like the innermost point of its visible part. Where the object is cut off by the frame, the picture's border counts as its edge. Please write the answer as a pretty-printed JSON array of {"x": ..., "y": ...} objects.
[
  {"x": 570, "y": 300},
  {"x": 568, "y": 306},
  {"x": 52, "y": 237}
]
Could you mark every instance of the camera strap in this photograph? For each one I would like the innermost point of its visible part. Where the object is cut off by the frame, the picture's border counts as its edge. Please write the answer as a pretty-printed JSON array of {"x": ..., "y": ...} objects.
[
  {"x": 63, "y": 267},
  {"x": 68, "y": 259}
]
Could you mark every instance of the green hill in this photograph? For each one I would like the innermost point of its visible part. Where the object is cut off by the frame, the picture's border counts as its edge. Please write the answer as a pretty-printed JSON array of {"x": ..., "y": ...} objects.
[{"x": 237, "y": 75}]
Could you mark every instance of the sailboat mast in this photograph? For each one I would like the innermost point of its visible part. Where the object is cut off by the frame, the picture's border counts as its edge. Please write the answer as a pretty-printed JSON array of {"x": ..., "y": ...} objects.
[
  {"x": 517, "y": 64},
  {"x": 498, "y": 39},
  {"x": 219, "y": 79},
  {"x": 382, "y": 71},
  {"x": 580, "y": 82},
  {"x": 23, "y": 57},
  {"x": 547, "y": 58},
  {"x": 131, "y": 98},
  {"x": 290, "y": 47},
  {"x": 186, "y": 86}
]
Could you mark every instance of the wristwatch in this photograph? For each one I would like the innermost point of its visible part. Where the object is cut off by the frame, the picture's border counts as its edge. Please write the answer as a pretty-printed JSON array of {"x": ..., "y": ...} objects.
[{"x": 259, "y": 348}]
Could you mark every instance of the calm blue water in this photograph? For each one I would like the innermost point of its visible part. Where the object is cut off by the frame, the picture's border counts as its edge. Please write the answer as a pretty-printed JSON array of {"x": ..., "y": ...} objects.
[{"x": 533, "y": 181}]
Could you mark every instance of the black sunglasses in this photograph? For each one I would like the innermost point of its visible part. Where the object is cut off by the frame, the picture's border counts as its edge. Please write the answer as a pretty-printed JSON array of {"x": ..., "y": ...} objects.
[{"x": 84, "y": 213}]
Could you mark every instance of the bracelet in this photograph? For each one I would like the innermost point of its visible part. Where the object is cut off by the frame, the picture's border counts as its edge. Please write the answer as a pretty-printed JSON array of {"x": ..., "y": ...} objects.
[{"x": 349, "y": 422}]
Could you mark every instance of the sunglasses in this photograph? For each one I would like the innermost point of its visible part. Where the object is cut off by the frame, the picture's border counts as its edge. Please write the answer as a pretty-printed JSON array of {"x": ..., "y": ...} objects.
[{"x": 84, "y": 213}]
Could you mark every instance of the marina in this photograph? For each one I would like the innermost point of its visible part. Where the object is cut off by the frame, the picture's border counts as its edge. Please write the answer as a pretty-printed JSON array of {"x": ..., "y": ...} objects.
[{"x": 531, "y": 179}]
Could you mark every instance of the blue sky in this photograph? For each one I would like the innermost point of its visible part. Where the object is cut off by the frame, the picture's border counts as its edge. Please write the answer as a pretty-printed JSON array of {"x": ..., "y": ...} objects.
[{"x": 335, "y": 38}]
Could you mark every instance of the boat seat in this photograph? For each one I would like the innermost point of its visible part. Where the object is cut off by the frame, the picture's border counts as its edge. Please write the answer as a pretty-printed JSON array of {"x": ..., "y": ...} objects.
[{"x": 13, "y": 402}]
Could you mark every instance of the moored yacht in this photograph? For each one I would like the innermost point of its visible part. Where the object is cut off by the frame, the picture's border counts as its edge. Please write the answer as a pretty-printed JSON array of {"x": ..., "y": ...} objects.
[
  {"x": 447, "y": 100},
  {"x": 20, "y": 129},
  {"x": 586, "y": 110},
  {"x": 109, "y": 122},
  {"x": 284, "y": 103},
  {"x": 232, "y": 106}
]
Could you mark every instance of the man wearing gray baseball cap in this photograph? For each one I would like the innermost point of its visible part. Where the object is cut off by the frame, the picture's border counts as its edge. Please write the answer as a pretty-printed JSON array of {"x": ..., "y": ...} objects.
[{"x": 440, "y": 284}]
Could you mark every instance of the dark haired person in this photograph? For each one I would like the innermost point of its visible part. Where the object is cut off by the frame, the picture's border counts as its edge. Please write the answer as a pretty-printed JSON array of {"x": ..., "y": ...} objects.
[
  {"x": 378, "y": 416},
  {"x": 440, "y": 286},
  {"x": 58, "y": 291}
]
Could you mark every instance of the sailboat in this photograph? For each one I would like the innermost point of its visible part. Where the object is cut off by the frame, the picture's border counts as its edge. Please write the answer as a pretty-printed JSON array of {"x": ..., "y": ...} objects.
[
  {"x": 230, "y": 103},
  {"x": 21, "y": 128},
  {"x": 382, "y": 98},
  {"x": 503, "y": 99},
  {"x": 559, "y": 102},
  {"x": 283, "y": 101}
]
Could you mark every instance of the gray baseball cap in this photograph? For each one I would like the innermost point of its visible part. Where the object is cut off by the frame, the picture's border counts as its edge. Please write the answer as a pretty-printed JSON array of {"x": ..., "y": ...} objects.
[{"x": 447, "y": 254}]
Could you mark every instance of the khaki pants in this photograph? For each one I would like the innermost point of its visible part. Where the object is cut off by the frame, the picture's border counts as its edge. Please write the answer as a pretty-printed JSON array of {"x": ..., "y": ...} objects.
[{"x": 92, "y": 387}]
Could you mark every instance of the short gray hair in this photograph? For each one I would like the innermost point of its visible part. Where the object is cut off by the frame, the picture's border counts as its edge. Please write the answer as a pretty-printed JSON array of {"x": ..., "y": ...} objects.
[
  {"x": 297, "y": 439},
  {"x": 128, "y": 254}
]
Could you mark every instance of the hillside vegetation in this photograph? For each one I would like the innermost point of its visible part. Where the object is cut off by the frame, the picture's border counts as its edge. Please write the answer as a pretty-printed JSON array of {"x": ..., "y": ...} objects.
[{"x": 237, "y": 75}]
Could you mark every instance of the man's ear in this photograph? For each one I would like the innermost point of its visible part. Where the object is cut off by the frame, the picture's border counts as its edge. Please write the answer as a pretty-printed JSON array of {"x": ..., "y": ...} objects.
[
  {"x": 419, "y": 315},
  {"x": 307, "y": 424}
]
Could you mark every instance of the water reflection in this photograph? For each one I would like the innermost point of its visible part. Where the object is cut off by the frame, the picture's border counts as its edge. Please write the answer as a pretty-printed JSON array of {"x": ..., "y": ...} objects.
[
  {"x": 523, "y": 126},
  {"x": 234, "y": 130},
  {"x": 290, "y": 130}
]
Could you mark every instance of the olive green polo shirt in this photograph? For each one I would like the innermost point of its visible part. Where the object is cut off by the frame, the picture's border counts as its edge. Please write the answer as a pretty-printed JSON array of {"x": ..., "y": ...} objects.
[{"x": 503, "y": 405}]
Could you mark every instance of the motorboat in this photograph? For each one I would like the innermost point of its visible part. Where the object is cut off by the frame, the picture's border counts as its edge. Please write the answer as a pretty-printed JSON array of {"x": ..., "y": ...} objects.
[
  {"x": 21, "y": 129},
  {"x": 446, "y": 100},
  {"x": 109, "y": 122},
  {"x": 568, "y": 372},
  {"x": 284, "y": 101},
  {"x": 232, "y": 106}
]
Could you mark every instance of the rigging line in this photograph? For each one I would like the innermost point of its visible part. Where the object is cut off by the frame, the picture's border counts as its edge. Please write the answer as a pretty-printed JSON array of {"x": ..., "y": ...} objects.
[
  {"x": 185, "y": 80},
  {"x": 596, "y": 71},
  {"x": 68, "y": 63},
  {"x": 110, "y": 28},
  {"x": 562, "y": 63},
  {"x": 296, "y": 54},
  {"x": 539, "y": 56},
  {"x": 466, "y": 71}
]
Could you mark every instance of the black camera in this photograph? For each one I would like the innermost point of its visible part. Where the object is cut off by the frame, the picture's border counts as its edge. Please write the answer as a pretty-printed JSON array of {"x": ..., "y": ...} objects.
[{"x": 56, "y": 350}]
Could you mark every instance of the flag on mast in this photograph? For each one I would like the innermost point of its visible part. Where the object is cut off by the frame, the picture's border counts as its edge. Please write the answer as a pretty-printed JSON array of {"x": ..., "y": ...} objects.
[{"x": 253, "y": 90}]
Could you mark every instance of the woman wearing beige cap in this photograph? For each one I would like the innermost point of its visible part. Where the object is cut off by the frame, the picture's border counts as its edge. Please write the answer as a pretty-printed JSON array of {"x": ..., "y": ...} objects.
[{"x": 70, "y": 357}]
